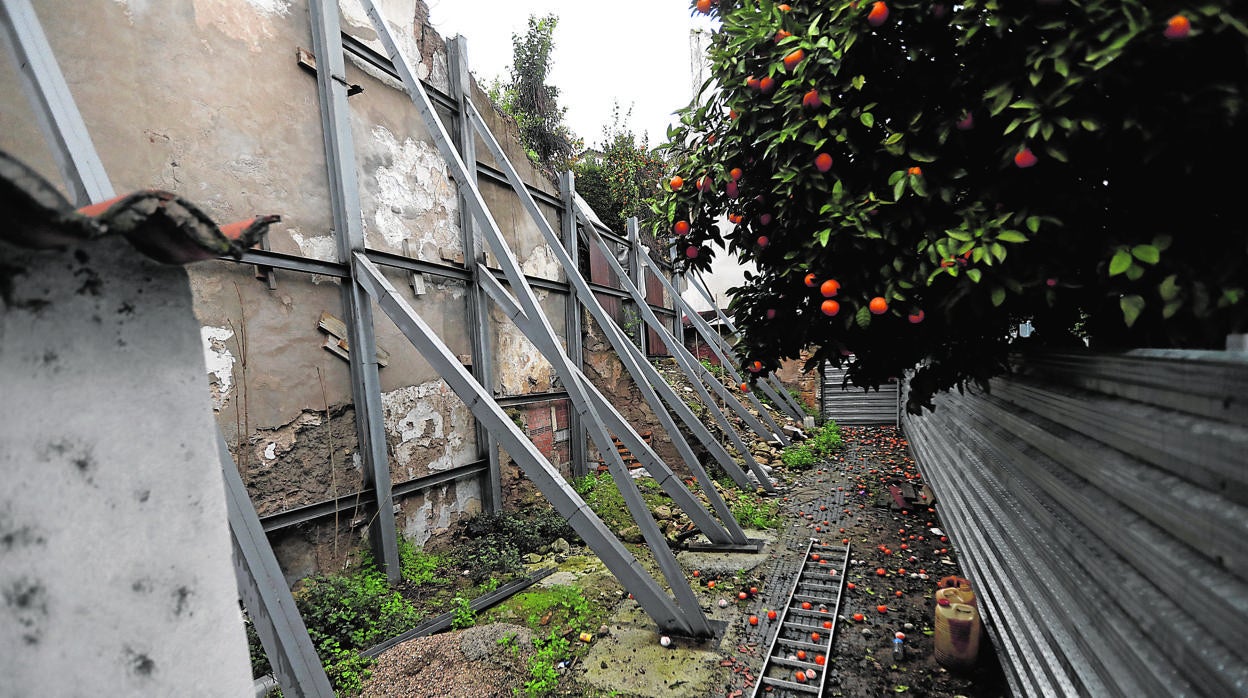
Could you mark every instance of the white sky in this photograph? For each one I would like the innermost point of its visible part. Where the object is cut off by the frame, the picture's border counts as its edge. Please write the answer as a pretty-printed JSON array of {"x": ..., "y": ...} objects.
[{"x": 636, "y": 52}]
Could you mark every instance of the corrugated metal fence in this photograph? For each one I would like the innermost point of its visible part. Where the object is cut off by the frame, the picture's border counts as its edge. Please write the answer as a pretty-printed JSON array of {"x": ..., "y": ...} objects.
[
  {"x": 854, "y": 407},
  {"x": 1099, "y": 504}
]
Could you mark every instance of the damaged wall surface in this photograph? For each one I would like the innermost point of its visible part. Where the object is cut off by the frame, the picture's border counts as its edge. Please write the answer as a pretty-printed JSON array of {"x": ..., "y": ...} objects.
[{"x": 229, "y": 115}]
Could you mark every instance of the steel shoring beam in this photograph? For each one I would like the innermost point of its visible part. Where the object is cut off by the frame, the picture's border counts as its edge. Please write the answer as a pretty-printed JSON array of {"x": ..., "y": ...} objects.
[
  {"x": 265, "y": 594},
  {"x": 685, "y": 616},
  {"x": 688, "y": 621},
  {"x": 478, "y": 330},
  {"x": 780, "y": 395},
  {"x": 348, "y": 217},
  {"x": 711, "y": 337},
  {"x": 644, "y": 375},
  {"x": 687, "y": 363},
  {"x": 572, "y": 327},
  {"x": 729, "y": 532},
  {"x": 709, "y": 378},
  {"x": 55, "y": 110}
]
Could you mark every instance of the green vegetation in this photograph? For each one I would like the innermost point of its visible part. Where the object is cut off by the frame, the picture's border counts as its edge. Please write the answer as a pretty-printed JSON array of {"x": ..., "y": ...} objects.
[
  {"x": 561, "y": 607},
  {"x": 913, "y": 179},
  {"x": 418, "y": 567},
  {"x": 351, "y": 612},
  {"x": 753, "y": 511},
  {"x": 462, "y": 615},
  {"x": 543, "y": 675},
  {"x": 620, "y": 184},
  {"x": 821, "y": 445}
]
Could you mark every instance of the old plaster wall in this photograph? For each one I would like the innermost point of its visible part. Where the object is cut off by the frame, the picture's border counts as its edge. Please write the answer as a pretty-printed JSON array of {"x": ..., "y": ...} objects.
[{"x": 206, "y": 99}]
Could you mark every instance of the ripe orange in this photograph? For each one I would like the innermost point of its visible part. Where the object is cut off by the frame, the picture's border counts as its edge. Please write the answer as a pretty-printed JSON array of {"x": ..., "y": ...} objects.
[
  {"x": 820, "y": 659},
  {"x": 753, "y": 620},
  {"x": 1024, "y": 158},
  {"x": 881, "y": 571},
  {"x": 735, "y": 173},
  {"x": 830, "y": 307},
  {"x": 677, "y": 182},
  {"x": 810, "y": 280},
  {"x": 805, "y": 605},
  {"x": 745, "y": 387},
  {"x": 878, "y": 305},
  {"x": 830, "y": 288},
  {"x": 705, "y": 183},
  {"x": 882, "y": 608},
  {"x": 1177, "y": 27},
  {"x": 858, "y": 617},
  {"x": 756, "y": 366},
  {"x": 691, "y": 252},
  {"x": 710, "y": 585},
  {"x": 917, "y": 316},
  {"x": 732, "y": 190},
  {"x": 782, "y": 35},
  {"x": 811, "y": 99},
  {"x": 784, "y": 8},
  {"x": 791, "y": 60},
  {"x": 763, "y": 241},
  {"x": 916, "y": 171},
  {"x": 823, "y": 162},
  {"x": 771, "y": 615},
  {"x": 967, "y": 123},
  {"x": 681, "y": 228},
  {"x": 703, "y": 6},
  {"x": 752, "y": 82},
  {"x": 814, "y": 637},
  {"x": 878, "y": 14},
  {"x": 800, "y": 676},
  {"x": 767, "y": 85}
]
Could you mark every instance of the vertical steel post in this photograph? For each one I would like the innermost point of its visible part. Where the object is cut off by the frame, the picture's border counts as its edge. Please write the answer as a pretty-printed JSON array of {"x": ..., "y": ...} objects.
[
  {"x": 263, "y": 590},
  {"x": 478, "y": 317},
  {"x": 349, "y": 231},
  {"x": 638, "y": 279},
  {"x": 572, "y": 321},
  {"x": 55, "y": 110}
]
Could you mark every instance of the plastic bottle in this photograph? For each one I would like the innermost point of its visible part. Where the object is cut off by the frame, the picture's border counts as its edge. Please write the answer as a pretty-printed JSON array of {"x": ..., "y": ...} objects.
[
  {"x": 899, "y": 649},
  {"x": 957, "y": 634}
]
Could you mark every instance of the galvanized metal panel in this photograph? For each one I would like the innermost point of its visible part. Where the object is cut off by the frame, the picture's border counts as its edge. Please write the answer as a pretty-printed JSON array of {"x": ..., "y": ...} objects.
[
  {"x": 1069, "y": 494},
  {"x": 851, "y": 406}
]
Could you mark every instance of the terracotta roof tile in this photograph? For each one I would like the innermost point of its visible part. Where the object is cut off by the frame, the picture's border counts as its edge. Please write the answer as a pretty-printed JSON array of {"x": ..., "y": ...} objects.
[{"x": 160, "y": 224}]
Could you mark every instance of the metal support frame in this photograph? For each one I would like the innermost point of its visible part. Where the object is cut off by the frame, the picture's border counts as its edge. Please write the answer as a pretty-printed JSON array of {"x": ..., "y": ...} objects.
[
  {"x": 55, "y": 110},
  {"x": 596, "y": 406},
  {"x": 713, "y": 340},
  {"x": 572, "y": 326},
  {"x": 349, "y": 232},
  {"x": 690, "y": 366},
  {"x": 645, "y": 376},
  {"x": 679, "y": 617},
  {"x": 684, "y": 616},
  {"x": 478, "y": 331},
  {"x": 262, "y": 586},
  {"x": 779, "y": 395},
  {"x": 686, "y": 358}
]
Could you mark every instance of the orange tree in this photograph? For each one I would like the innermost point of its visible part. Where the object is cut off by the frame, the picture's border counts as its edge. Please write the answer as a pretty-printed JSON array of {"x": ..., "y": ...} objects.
[{"x": 914, "y": 179}]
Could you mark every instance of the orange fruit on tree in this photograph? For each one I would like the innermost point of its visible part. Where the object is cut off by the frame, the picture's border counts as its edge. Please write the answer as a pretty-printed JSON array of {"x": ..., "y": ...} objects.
[
  {"x": 681, "y": 228},
  {"x": 677, "y": 182},
  {"x": 811, "y": 99},
  {"x": 1024, "y": 158},
  {"x": 810, "y": 279},
  {"x": 703, "y": 6},
  {"x": 823, "y": 162},
  {"x": 767, "y": 85},
  {"x": 745, "y": 387},
  {"x": 705, "y": 183},
  {"x": 1178, "y": 27},
  {"x": 830, "y": 307},
  {"x": 877, "y": 305},
  {"x": 784, "y": 8},
  {"x": 782, "y": 35},
  {"x": 691, "y": 252},
  {"x": 917, "y": 316},
  {"x": 735, "y": 173},
  {"x": 830, "y": 288},
  {"x": 878, "y": 14},
  {"x": 793, "y": 58},
  {"x": 763, "y": 241},
  {"x": 916, "y": 171}
]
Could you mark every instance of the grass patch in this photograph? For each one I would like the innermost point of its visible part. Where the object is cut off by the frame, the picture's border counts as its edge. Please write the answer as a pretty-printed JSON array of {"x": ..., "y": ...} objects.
[
  {"x": 753, "y": 511},
  {"x": 821, "y": 445}
]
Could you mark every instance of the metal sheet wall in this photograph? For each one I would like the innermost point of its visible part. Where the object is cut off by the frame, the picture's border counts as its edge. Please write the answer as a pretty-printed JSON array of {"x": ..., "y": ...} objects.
[
  {"x": 1098, "y": 504},
  {"x": 852, "y": 406}
]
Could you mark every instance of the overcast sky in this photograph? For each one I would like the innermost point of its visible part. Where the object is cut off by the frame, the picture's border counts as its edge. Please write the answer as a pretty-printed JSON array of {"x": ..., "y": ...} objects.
[{"x": 636, "y": 52}]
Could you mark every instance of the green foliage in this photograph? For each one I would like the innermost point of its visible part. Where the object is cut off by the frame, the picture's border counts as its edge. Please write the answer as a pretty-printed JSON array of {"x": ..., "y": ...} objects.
[
  {"x": 418, "y": 567},
  {"x": 797, "y": 456},
  {"x": 462, "y": 615},
  {"x": 558, "y": 606},
  {"x": 752, "y": 511},
  {"x": 543, "y": 676},
  {"x": 620, "y": 184},
  {"x": 820, "y": 446},
  {"x": 604, "y": 498},
  {"x": 534, "y": 104},
  {"x": 807, "y": 408},
  {"x": 1123, "y": 226},
  {"x": 351, "y": 612},
  {"x": 491, "y": 545}
]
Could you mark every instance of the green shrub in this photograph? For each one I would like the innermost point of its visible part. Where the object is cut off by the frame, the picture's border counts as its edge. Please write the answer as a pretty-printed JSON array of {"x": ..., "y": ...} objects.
[
  {"x": 493, "y": 544},
  {"x": 827, "y": 440},
  {"x": 417, "y": 566},
  {"x": 797, "y": 456},
  {"x": 752, "y": 511},
  {"x": 543, "y": 676},
  {"x": 462, "y": 615}
]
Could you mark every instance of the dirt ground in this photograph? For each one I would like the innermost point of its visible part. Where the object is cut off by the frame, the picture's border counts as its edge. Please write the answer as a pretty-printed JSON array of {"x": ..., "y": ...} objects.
[{"x": 885, "y": 535}]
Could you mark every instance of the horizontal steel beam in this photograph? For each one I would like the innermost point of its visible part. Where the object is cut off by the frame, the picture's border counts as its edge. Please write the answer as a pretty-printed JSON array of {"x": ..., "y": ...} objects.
[
  {"x": 348, "y": 502},
  {"x": 530, "y": 398}
]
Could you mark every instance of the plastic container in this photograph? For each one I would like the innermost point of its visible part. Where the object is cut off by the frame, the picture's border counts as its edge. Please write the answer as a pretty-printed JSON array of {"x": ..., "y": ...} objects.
[
  {"x": 958, "y": 594},
  {"x": 958, "y": 631}
]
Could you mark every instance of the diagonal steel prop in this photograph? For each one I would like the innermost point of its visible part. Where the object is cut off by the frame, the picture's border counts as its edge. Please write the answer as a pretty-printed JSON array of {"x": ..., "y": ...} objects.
[
  {"x": 779, "y": 395},
  {"x": 684, "y": 359},
  {"x": 599, "y": 408},
  {"x": 670, "y": 616}
]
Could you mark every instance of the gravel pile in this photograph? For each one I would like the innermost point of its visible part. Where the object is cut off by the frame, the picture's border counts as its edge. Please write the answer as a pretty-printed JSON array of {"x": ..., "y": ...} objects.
[{"x": 466, "y": 664}]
